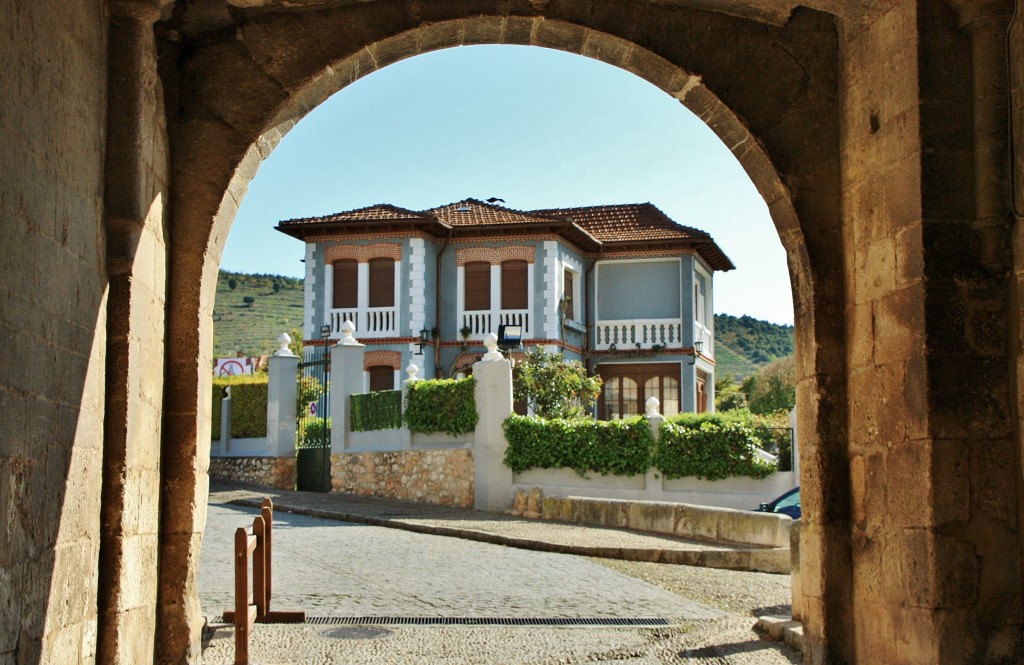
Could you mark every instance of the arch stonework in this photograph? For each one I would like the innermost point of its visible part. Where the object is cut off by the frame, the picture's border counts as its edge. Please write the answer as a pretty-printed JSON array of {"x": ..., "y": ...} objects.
[{"x": 876, "y": 130}]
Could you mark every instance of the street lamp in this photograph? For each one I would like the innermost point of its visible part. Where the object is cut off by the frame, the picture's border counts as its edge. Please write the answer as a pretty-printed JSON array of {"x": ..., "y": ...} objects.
[{"x": 424, "y": 340}]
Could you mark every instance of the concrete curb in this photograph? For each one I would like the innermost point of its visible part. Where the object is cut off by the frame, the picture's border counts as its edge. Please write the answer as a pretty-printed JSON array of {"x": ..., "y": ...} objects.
[
  {"x": 781, "y": 629},
  {"x": 766, "y": 560}
]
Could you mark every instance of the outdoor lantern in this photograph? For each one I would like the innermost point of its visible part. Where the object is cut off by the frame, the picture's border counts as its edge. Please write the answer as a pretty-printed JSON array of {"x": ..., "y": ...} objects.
[
  {"x": 424, "y": 340},
  {"x": 509, "y": 336},
  {"x": 697, "y": 346}
]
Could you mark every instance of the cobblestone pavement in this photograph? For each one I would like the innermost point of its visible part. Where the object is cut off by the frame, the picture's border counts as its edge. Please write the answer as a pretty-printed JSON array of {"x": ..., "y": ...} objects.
[{"x": 337, "y": 569}]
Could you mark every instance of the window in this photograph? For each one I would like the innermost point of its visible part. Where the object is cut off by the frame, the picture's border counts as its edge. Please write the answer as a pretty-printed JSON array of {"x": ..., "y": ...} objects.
[
  {"x": 345, "y": 284},
  {"x": 568, "y": 295},
  {"x": 382, "y": 377},
  {"x": 627, "y": 387},
  {"x": 699, "y": 301},
  {"x": 382, "y": 283},
  {"x": 478, "y": 285},
  {"x": 513, "y": 285}
]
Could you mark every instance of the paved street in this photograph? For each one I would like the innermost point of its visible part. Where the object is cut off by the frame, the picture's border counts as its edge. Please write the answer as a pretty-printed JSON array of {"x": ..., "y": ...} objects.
[{"x": 338, "y": 569}]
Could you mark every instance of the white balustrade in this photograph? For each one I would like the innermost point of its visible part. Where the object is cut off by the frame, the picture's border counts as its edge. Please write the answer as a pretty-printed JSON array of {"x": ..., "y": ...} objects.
[
  {"x": 371, "y": 322},
  {"x": 482, "y": 322},
  {"x": 627, "y": 334}
]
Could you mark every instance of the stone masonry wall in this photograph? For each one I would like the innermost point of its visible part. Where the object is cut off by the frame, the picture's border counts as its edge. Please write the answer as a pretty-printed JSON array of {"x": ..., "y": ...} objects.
[
  {"x": 276, "y": 472},
  {"x": 52, "y": 323},
  {"x": 443, "y": 477}
]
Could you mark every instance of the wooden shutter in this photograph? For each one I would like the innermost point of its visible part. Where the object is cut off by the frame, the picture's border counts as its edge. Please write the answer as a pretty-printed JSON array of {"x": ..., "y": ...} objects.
[
  {"x": 346, "y": 284},
  {"x": 513, "y": 285},
  {"x": 478, "y": 285},
  {"x": 382, "y": 283},
  {"x": 567, "y": 292},
  {"x": 382, "y": 377}
]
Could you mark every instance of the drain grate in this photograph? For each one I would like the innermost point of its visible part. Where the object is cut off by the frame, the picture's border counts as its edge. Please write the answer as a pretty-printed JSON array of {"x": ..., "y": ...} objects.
[{"x": 640, "y": 622}]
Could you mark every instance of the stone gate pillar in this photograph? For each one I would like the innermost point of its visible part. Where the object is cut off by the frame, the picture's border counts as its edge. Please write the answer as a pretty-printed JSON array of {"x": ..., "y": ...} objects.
[
  {"x": 282, "y": 393},
  {"x": 493, "y": 480},
  {"x": 346, "y": 379}
]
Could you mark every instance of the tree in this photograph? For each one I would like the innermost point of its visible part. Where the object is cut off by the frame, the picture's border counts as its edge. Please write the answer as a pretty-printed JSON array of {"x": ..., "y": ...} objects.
[
  {"x": 277, "y": 286},
  {"x": 773, "y": 387},
  {"x": 232, "y": 283},
  {"x": 728, "y": 394},
  {"x": 554, "y": 387},
  {"x": 249, "y": 300}
]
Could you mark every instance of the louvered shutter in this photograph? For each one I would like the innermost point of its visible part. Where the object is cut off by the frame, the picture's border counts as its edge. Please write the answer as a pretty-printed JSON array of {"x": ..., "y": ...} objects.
[
  {"x": 513, "y": 285},
  {"x": 382, "y": 377},
  {"x": 382, "y": 283},
  {"x": 345, "y": 284},
  {"x": 478, "y": 285}
]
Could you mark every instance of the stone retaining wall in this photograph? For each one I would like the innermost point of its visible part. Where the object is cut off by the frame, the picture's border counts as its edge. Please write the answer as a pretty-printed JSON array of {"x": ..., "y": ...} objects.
[
  {"x": 442, "y": 477},
  {"x": 273, "y": 471}
]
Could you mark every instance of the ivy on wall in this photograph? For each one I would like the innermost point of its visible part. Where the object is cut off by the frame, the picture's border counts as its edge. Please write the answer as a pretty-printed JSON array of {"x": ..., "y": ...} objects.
[
  {"x": 376, "y": 411},
  {"x": 617, "y": 447},
  {"x": 248, "y": 406},
  {"x": 441, "y": 405},
  {"x": 705, "y": 446}
]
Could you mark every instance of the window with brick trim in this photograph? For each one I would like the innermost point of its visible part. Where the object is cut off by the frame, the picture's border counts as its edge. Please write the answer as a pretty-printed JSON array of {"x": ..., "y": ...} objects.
[
  {"x": 478, "y": 285},
  {"x": 382, "y": 377},
  {"x": 345, "y": 284},
  {"x": 514, "y": 285},
  {"x": 382, "y": 282}
]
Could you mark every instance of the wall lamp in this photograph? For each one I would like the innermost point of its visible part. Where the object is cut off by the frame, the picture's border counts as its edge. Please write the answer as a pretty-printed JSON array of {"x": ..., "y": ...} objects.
[
  {"x": 697, "y": 346},
  {"x": 424, "y": 340}
]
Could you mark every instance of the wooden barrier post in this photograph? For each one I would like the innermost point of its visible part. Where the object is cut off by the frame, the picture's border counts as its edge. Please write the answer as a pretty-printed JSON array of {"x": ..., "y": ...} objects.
[{"x": 245, "y": 611}]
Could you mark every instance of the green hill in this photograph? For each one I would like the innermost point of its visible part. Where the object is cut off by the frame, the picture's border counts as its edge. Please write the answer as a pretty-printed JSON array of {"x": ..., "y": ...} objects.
[
  {"x": 251, "y": 312},
  {"x": 742, "y": 344}
]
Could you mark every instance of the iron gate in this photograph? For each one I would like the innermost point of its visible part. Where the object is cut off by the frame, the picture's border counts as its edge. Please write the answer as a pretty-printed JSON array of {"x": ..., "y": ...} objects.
[{"x": 313, "y": 431}]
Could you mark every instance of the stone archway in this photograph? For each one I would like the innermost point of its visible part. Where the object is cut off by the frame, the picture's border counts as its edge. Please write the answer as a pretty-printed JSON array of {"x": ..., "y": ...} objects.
[{"x": 222, "y": 136}]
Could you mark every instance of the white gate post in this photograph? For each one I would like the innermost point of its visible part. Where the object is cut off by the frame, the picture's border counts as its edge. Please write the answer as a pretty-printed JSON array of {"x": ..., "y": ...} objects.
[
  {"x": 282, "y": 392},
  {"x": 492, "y": 479},
  {"x": 346, "y": 379}
]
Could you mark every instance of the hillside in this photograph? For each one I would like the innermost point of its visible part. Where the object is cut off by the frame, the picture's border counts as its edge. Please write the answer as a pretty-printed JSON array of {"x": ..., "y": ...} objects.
[
  {"x": 252, "y": 315},
  {"x": 742, "y": 343}
]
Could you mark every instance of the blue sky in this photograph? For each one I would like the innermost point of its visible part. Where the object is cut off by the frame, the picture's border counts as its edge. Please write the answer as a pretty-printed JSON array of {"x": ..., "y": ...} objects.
[{"x": 536, "y": 127}]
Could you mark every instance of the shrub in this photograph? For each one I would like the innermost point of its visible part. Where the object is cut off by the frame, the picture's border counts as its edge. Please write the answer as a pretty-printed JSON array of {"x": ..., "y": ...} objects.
[
  {"x": 554, "y": 387},
  {"x": 316, "y": 433},
  {"x": 248, "y": 405},
  {"x": 618, "y": 447},
  {"x": 442, "y": 405},
  {"x": 712, "y": 450},
  {"x": 376, "y": 411}
]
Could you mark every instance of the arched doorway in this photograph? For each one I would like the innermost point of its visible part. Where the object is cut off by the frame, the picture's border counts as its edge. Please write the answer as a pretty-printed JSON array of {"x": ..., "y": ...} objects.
[{"x": 232, "y": 100}]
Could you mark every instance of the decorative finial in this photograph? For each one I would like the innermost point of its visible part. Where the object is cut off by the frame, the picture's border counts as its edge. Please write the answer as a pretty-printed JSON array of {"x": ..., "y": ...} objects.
[
  {"x": 652, "y": 405},
  {"x": 412, "y": 370},
  {"x": 491, "y": 344},
  {"x": 347, "y": 328},
  {"x": 284, "y": 340}
]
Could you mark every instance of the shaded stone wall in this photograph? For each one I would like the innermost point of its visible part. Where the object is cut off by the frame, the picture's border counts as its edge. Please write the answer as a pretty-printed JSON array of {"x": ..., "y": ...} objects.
[
  {"x": 53, "y": 297},
  {"x": 443, "y": 477},
  {"x": 276, "y": 472}
]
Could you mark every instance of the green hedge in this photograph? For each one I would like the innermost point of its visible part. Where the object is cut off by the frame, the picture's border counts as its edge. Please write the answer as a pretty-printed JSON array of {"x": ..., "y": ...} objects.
[
  {"x": 441, "y": 405},
  {"x": 711, "y": 446},
  {"x": 248, "y": 406},
  {"x": 376, "y": 411},
  {"x": 711, "y": 450},
  {"x": 618, "y": 447}
]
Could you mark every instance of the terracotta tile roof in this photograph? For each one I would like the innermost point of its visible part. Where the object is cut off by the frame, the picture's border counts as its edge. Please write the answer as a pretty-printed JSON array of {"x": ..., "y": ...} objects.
[
  {"x": 625, "y": 226},
  {"x": 638, "y": 223},
  {"x": 380, "y": 211},
  {"x": 471, "y": 212}
]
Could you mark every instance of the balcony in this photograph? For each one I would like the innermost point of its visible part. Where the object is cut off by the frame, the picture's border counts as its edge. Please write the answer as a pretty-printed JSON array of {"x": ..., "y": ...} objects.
[
  {"x": 482, "y": 322},
  {"x": 371, "y": 322},
  {"x": 627, "y": 334},
  {"x": 702, "y": 334}
]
